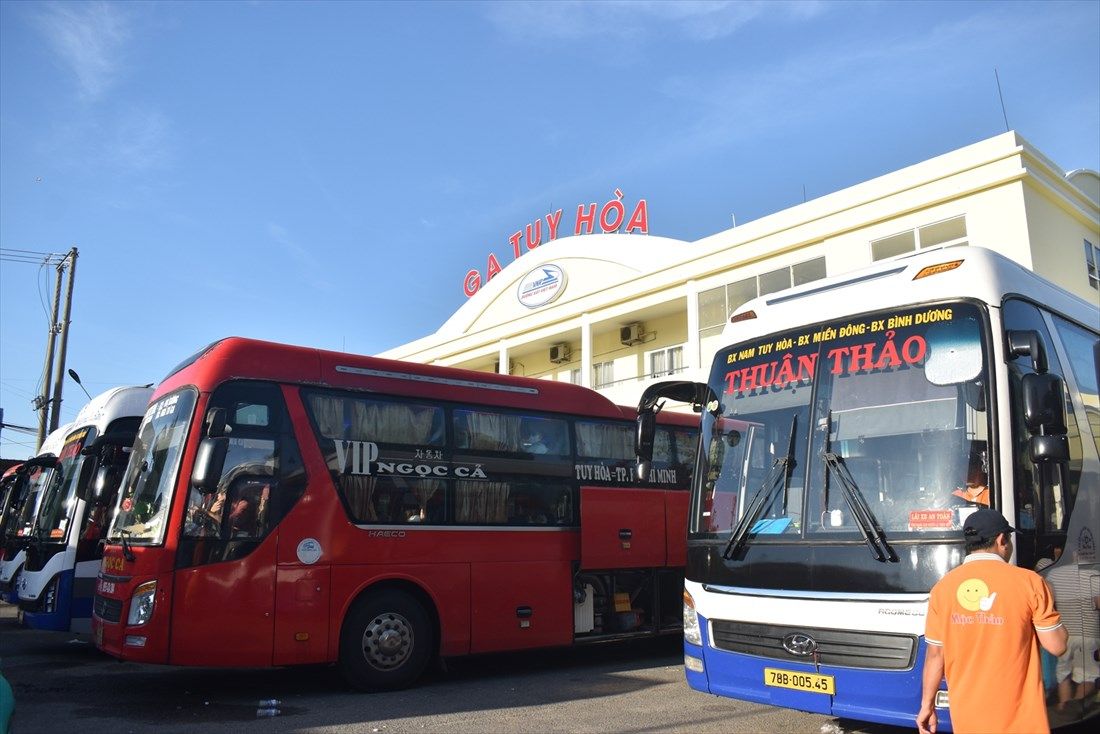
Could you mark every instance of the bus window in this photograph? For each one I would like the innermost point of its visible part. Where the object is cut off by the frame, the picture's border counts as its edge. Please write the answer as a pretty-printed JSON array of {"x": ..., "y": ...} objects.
[
  {"x": 394, "y": 500},
  {"x": 379, "y": 421},
  {"x": 478, "y": 430}
]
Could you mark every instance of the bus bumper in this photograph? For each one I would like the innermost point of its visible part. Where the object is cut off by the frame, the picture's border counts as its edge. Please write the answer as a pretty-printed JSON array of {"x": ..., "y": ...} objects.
[
  {"x": 880, "y": 696},
  {"x": 51, "y": 611}
]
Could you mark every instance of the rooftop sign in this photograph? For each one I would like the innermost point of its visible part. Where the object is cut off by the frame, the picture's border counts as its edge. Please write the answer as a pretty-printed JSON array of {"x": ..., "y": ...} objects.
[{"x": 611, "y": 217}]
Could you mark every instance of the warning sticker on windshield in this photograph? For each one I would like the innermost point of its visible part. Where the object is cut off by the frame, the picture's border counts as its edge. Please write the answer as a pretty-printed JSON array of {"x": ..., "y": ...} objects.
[{"x": 931, "y": 519}]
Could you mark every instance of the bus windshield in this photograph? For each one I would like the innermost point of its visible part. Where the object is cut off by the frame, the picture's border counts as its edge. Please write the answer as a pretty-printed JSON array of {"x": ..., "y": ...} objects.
[
  {"x": 38, "y": 481},
  {"x": 147, "y": 486},
  {"x": 837, "y": 431},
  {"x": 56, "y": 505}
]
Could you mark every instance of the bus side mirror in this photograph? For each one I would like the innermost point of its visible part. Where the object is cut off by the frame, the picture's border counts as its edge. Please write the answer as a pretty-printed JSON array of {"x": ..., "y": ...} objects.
[
  {"x": 643, "y": 442},
  {"x": 1044, "y": 406},
  {"x": 1044, "y": 403},
  {"x": 101, "y": 489},
  {"x": 1049, "y": 449},
  {"x": 209, "y": 462}
]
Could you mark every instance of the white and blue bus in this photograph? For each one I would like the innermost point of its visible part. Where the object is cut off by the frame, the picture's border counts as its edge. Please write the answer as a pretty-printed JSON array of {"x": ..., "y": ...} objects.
[
  {"x": 32, "y": 479},
  {"x": 848, "y": 429},
  {"x": 57, "y": 582}
]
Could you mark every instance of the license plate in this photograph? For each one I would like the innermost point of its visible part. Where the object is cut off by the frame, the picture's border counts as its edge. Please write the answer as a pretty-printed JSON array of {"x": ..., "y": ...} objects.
[
  {"x": 798, "y": 681},
  {"x": 106, "y": 587}
]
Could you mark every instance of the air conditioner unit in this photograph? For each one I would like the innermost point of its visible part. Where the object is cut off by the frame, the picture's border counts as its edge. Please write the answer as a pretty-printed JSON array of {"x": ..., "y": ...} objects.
[
  {"x": 560, "y": 353},
  {"x": 511, "y": 366},
  {"x": 631, "y": 334}
]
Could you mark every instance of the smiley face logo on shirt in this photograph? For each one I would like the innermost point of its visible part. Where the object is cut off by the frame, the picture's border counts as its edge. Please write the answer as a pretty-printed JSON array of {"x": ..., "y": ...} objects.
[{"x": 971, "y": 593}]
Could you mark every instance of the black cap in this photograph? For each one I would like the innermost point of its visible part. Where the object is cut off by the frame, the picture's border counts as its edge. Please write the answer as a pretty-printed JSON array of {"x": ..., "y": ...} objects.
[{"x": 985, "y": 525}]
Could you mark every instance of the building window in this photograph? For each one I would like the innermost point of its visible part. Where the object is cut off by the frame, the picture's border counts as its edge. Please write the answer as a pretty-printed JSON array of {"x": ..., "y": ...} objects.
[
  {"x": 575, "y": 375},
  {"x": 946, "y": 232},
  {"x": 666, "y": 361},
  {"x": 1092, "y": 262},
  {"x": 716, "y": 304},
  {"x": 603, "y": 374}
]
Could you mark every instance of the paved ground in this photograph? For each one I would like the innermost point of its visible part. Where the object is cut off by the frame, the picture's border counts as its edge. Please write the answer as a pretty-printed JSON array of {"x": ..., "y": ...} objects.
[{"x": 63, "y": 684}]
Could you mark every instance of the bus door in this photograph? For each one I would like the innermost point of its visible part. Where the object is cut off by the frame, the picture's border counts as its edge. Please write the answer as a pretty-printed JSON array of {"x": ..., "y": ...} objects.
[
  {"x": 622, "y": 524},
  {"x": 224, "y": 588},
  {"x": 521, "y": 573}
]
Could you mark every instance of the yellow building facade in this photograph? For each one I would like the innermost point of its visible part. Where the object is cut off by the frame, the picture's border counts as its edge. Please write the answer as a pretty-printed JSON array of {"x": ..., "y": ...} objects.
[{"x": 617, "y": 312}]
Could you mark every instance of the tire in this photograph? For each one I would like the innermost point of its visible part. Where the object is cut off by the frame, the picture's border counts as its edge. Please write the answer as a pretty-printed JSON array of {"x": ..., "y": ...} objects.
[{"x": 386, "y": 641}]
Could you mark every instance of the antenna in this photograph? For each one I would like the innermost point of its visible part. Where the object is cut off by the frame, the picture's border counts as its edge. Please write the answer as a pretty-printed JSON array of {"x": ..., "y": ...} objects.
[{"x": 1002, "y": 97}]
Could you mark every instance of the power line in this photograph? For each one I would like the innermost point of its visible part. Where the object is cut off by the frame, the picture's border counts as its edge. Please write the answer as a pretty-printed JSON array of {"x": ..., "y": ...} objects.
[{"x": 30, "y": 257}]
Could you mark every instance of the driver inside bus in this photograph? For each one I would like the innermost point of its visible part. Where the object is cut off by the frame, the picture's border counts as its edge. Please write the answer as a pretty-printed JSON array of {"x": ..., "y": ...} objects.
[{"x": 977, "y": 483}]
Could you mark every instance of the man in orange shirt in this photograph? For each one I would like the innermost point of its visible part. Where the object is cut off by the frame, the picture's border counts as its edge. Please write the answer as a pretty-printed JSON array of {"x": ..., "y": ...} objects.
[{"x": 986, "y": 621}]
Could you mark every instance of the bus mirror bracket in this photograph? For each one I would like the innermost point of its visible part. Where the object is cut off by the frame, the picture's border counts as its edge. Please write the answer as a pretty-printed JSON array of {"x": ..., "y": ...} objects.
[
  {"x": 215, "y": 423},
  {"x": 209, "y": 461},
  {"x": 650, "y": 405},
  {"x": 1028, "y": 344},
  {"x": 110, "y": 439}
]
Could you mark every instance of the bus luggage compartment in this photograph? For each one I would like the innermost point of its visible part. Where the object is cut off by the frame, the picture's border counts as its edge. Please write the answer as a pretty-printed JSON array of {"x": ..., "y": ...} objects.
[{"x": 611, "y": 537}]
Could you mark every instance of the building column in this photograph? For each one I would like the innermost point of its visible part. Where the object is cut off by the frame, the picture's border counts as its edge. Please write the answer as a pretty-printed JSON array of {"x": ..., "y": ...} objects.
[
  {"x": 502, "y": 358},
  {"x": 586, "y": 350},
  {"x": 694, "y": 359}
]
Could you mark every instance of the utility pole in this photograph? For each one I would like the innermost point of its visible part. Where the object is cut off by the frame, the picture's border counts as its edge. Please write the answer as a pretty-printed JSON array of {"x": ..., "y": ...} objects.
[
  {"x": 55, "y": 414},
  {"x": 42, "y": 402}
]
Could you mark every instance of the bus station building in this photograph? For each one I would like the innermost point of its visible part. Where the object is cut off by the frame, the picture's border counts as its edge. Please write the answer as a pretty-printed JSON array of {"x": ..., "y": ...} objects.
[{"x": 617, "y": 311}]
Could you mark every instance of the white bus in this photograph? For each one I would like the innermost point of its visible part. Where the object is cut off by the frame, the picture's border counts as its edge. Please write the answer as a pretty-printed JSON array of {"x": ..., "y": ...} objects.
[
  {"x": 848, "y": 429},
  {"x": 57, "y": 582},
  {"x": 36, "y": 474}
]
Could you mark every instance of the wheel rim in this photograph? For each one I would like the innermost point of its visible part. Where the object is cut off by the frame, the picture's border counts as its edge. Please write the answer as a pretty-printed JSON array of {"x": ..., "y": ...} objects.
[{"x": 387, "y": 641}]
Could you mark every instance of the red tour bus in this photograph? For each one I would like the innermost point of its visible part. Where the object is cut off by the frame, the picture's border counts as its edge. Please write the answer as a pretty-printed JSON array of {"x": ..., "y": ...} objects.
[{"x": 285, "y": 505}]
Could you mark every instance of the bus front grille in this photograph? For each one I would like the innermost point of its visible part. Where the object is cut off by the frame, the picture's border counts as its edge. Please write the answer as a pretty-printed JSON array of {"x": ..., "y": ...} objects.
[
  {"x": 109, "y": 610},
  {"x": 843, "y": 648}
]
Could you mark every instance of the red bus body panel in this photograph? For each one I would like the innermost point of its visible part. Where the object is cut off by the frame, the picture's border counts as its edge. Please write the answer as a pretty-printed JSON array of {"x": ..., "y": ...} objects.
[
  {"x": 611, "y": 538},
  {"x": 223, "y": 613}
]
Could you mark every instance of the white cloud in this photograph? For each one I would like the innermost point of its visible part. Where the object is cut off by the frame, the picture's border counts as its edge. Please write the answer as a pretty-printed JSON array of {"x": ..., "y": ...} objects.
[
  {"x": 89, "y": 39},
  {"x": 694, "y": 19}
]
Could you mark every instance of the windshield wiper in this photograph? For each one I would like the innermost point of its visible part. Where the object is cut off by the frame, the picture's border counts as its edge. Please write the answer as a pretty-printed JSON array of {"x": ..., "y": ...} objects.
[
  {"x": 127, "y": 552},
  {"x": 763, "y": 497},
  {"x": 866, "y": 521}
]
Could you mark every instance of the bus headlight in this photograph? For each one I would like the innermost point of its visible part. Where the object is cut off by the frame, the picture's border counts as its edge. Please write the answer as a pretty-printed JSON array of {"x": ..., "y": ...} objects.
[
  {"x": 691, "y": 622},
  {"x": 142, "y": 603}
]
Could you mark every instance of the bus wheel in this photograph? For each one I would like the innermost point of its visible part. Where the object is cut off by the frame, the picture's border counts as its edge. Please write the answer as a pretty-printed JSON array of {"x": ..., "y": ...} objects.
[{"x": 386, "y": 642}]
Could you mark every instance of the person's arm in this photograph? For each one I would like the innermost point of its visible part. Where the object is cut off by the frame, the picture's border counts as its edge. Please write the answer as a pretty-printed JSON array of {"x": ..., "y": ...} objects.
[
  {"x": 1054, "y": 640},
  {"x": 930, "y": 683}
]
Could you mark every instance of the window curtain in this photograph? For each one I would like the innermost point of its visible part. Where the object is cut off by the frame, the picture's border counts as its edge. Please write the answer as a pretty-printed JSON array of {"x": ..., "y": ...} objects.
[
  {"x": 604, "y": 441},
  {"x": 481, "y": 502}
]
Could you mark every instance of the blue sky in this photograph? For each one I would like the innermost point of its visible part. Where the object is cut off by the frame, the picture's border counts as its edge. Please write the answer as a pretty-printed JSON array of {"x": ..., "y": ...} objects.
[{"x": 326, "y": 173}]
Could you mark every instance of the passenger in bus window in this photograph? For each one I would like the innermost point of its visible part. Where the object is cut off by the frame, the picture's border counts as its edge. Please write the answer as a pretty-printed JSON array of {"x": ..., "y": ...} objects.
[
  {"x": 534, "y": 444},
  {"x": 411, "y": 510}
]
